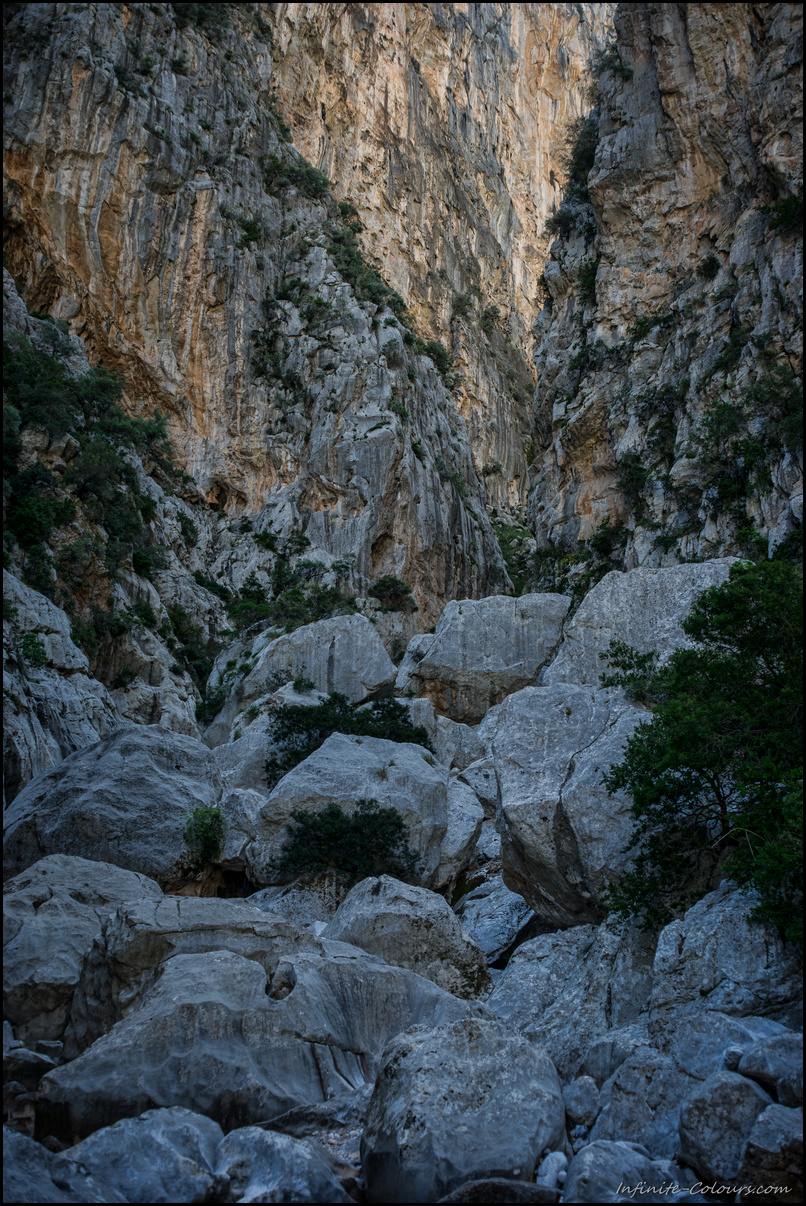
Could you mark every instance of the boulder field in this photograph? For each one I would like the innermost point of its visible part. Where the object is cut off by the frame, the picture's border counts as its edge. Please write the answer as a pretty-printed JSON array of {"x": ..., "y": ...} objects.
[{"x": 234, "y": 1034}]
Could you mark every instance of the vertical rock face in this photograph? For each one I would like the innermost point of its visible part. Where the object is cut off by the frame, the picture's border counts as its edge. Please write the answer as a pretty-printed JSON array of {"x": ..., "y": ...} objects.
[
  {"x": 671, "y": 342},
  {"x": 144, "y": 211},
  {"x": 445, "y": 125}
]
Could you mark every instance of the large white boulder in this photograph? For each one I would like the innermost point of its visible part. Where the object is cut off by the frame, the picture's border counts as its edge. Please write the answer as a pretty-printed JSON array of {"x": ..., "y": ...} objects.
[
  {"x": 125, "y": 800},
  {"x": 644, "y": 608},
  {"x": 51, "y": 913},
  {"x": 484, "y": 649},
  {"x": 493, "y": 915},
  {"x": 414, "y": 928},
  {"x": 563, "y": 837},
  {"x": 346, "y": 769},
  {"x": 140, "y": 935},
  {"x": 216, "y": 1033},
  {"x": 464, "y": 1101},
  {"x": 343, "y": 654}
]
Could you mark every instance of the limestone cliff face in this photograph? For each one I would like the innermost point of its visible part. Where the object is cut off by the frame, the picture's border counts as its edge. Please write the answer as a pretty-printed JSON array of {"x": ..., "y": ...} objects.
[
  {"x": 671, "y": 339},
  {"x": 445, "y": 125},
  {"x": 139, "y": 209}
]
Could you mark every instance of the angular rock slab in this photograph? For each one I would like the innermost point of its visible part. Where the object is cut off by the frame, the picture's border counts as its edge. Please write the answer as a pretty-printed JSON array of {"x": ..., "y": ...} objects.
[
  {"x": 31, "y": 1173},
  {"x": 773, "y": 1153},
  {"x": 493, "y": 915},
  {"x": 56, "y": 709},
  {"x": 596, "y": 1173},
  {"x": 484, "y": 649},
  {"x": 642, "y": 1102},
  {"x": 716, "y": 1122},
  {"x": 132, "y": 943},
  {"x": 414, "y": 928},
  {"x": 345, "y": 770},
  {"x": 125, "y": 800},
  {"x": 715, "y": 958},
  {"x": 463, "y": 1101},
  {"x": 217, "y": 1035},
  {"x": 457, "y": 849},
  {"x": 51, "y": 913},
  {"x": 162, "y": 1156},
  {"x": 262, "y": 1166},
  {"x": 563, "y": 836},
  {"x": 343, "y": 654},
  {"x": 567, "y": 989},
  {"x": 644, "y": 608}
]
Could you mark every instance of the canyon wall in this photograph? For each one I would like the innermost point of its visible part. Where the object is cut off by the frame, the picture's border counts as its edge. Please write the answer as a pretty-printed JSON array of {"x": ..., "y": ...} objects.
[
  {"x": 446, "y": 126},
  {"x": 670, "y": 343}
]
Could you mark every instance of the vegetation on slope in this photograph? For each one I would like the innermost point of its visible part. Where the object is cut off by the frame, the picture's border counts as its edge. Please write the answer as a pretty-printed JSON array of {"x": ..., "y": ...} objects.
[{"x": 716, "y": 777}]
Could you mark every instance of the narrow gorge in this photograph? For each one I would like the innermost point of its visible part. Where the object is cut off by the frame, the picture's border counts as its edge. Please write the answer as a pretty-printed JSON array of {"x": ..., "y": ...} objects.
[{"x": 402, "y": 602}]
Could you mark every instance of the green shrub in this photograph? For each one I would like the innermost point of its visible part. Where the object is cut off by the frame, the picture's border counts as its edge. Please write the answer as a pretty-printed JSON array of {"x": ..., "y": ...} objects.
[
  {"x": 580, "y": 154},
  {"x": 190, "y": 533},
  {"x": 489, "y": 320},
  {"x": 303, "y": 685},
  {"x": 710, "y": 266},
  {"x": 462, "y": 305},
  {"x": 587, "y": 281},
  {"x": 438, "y": 353},
  {"x": 124, "y": 678},
  {"x": 394, "y": 594},
  {"x": 266, "y": 540},
  {"x": 632, "y": 476},
  {"x": 609, "y": 59},
  {"x": 297, "y": 730},
  {"x": 149, "y": 560},
  {"x": 204, "y": 834},
  {"x": 145, "y": 613},
  {"x": 718, "y": 769},
  {"x": 33, "y": 650},
  {"x": 562, "y": 222},
  {"x": 280, "y": 174},
  {"x": 372, "y": 841},
  {"x": 210, "y": 584},
  {"x": 187, "y": 641},
  {"x": 786, "y": 214}
]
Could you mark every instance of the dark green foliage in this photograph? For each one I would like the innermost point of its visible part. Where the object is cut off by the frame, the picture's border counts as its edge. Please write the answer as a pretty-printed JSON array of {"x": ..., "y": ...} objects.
[
  {"x": 124, "y": 678},
  {"x": 33, "y": 650},
  {"x": 145, "y": 613},
  {"x": 371, "y": 841},
  {"x": 563, "y": 222},
  {"x": 710, "y": 266},
  {"x": 394, "y": 594},
  {"x": 632, "y": 476},
  {"x": 462, "y": 305},
  {"x": 517, "y": 559},
  {"x": 179, "y": 66},
  {"x": 303, "y": 685},
  {"x": 204, "y": 834},
  {"x": 280, "y": 174},
  {"x": 253, "y": 231},
  {"x": 210, "y": 584},
  {"x": 649, "y": 322},
  {"x": 791, "y": 548},
  {"x": 608, "y": 538},
  {"x": 189, "y": 645},
  {"x": 587, "y": 281},
  {"x": 266, "y": 540},
  {"x": 634, "y": 671},
  {"x": 298, "y": 598},
  {"x": 149, "y": 560},
  {"x": 610, "y": 60},
  {"x": 367, "y": 282},
  {"x": 490, "y": 318},
  {"x": 37, "y": 572},
  {"x": 731, "y": 354},
  {"x": 436, "y": 350},
  {"x": 42, "y": 394},
  {"x": 211, "y": 18},
  {"x": 786, "y": 214},
  {"x": 190, "y": 533},
  {"x": 716, "y": 776},
  {"x": 298, "y": 729},
  {"x": 582, "y": 143}
]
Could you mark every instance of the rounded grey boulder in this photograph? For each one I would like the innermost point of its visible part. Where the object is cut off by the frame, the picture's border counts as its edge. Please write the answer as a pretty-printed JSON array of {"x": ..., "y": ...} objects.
[
  {"x": 414, "y": 928},
  {"x": 463, "y": 1101}
]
